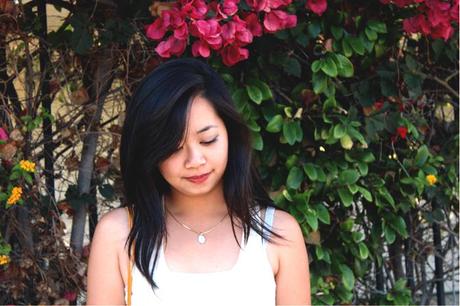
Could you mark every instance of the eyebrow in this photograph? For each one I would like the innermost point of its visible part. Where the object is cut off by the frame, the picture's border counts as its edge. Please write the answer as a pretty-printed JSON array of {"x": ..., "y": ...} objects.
[{"x": 206, "y": 128}]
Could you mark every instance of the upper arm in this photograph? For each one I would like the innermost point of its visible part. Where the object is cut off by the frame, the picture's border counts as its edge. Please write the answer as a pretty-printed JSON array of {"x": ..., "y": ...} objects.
[
  {"x": 105, "y": 283},
  {"x": 293, "y": 277}
]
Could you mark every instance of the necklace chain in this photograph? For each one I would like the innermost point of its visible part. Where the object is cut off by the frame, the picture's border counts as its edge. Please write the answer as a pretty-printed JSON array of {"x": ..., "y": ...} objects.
[{"x": 201, "y": 238}]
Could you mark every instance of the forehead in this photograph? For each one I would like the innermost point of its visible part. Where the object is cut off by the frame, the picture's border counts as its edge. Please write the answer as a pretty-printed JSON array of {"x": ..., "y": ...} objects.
[{"x": 201, "y": 114}]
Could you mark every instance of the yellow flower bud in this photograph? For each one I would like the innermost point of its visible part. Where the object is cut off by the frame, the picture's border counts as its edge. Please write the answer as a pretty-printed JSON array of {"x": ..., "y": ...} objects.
[{"x": 431, "y": 179}]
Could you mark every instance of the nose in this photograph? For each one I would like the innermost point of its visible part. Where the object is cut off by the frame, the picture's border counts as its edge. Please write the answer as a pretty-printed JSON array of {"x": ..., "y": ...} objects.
[{"x": 195, "y": 158}]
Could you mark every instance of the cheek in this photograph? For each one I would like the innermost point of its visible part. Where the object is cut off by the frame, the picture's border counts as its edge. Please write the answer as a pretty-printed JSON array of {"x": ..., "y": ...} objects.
[{"x": 168, "y": 168}]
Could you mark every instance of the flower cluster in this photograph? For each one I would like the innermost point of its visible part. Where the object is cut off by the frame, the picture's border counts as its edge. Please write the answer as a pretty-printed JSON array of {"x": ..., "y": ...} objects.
[
  {"x": 27, "y": 165},
  {"x": 216, "y": 26},
  {"x": 435, "y": 17},
  {"x": 15, "y": 196},
  {"x": 4, "y": 259}
]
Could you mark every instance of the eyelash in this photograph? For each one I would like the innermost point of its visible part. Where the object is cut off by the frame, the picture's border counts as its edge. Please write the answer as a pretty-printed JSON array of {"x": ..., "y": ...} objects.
[
  {"x": 204, "y": 142},
  {"x": 209, "y": 142}
]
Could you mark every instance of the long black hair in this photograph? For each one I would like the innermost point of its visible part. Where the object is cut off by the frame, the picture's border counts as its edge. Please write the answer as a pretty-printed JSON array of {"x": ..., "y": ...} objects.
[{"x": 154, "y": 127}]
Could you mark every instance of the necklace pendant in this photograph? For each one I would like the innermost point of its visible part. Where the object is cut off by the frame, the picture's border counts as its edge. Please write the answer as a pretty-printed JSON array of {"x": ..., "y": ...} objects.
[{"x": 201, "y": 239}]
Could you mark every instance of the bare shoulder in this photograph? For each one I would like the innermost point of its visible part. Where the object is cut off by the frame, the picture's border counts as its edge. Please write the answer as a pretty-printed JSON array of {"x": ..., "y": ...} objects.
[
  {"x": 105, "y": 280},
  {"x": 292, "y": 276},
  {"x": 288, "y": 227},
  {"x": 115, "y": 221}
]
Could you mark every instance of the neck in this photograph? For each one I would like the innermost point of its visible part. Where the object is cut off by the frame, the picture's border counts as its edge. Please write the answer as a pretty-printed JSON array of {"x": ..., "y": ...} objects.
[{"x": 201, "y": 207}]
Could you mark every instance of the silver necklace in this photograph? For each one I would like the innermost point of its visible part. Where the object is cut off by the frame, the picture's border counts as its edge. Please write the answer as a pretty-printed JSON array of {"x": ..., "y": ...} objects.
[{"x": 200, "y": 238}]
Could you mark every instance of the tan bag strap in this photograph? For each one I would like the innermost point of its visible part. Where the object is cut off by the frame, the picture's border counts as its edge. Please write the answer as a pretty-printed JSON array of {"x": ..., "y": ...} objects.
[{"x": 131, "y": 263}]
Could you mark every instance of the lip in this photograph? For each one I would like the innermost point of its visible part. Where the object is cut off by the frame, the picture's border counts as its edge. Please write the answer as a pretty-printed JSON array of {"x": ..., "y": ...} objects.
[{"x": 198, "y": 178}]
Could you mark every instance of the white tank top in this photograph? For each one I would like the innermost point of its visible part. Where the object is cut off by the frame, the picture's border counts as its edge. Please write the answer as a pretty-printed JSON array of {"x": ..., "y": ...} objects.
[{"x": 249, "y": 282}]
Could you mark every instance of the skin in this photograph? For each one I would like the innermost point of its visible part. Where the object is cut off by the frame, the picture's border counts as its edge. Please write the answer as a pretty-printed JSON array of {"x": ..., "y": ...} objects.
[{"x": 200, "y": 206}]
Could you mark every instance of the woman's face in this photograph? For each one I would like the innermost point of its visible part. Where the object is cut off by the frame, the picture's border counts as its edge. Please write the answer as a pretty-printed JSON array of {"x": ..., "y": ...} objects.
[{"x": 198, "y": 166}]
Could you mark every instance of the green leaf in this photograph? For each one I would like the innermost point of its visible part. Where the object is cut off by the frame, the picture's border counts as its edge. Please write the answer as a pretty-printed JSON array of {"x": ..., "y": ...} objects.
[
  {"x": 264, "y": 89},
  {"x": 368, "y": 157},
  {"x": 292, "y": 67},
  {"x": 310, "y": 170},
  {"x": 329, "y": 67},
  {"x": 366, "y": 194},
  {"x": 316, "y": 65},
  {"x": 339, "y": 131},
  {"x": 290, "y": 131},
  {"x": 349, "y": 176},
  {"x": 337, "y": 32},
  {"x": 28, "y": 178},
  {"x": 387, "y": 196},
  {"x": 357, "y": 236},
  {"x": 346, "y": 48},
  {"x": 363, "y": 168},
  {"x": 14, "y": 175},
  {"x": 347, "y": 225},
  {"x": 295, "y": 178},
  {"x": 275, "y": 124},
  {"x": 312, "y": 219},
  {"x": 254, "y": 93},
  {"x": 240, "y": 97},
  {"x": 371, "y": 34},
  {"x": 257, "y": 141},
  {"x": 345, "y": 66},
  {"x": 377, "y": 26},
  {"x": 319, "y": 252},
  {"x": 389, "y": 234},
  {"x": 323, "y": 214},
  {"x": 363, "y": 250},
  {"x": 422, "y": 156},
  {"x": 345, "y": 196},
  {"x": 398, "y": 223},
  {"x": 348, "y": 278},
  {"x": 356, "y": 44},
  {"x": 353, "y": 188},
  {"x": 319, "y": 81}
]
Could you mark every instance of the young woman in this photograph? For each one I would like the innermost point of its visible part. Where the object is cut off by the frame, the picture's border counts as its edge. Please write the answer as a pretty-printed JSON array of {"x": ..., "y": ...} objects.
[{"x": 197, "y": 222}]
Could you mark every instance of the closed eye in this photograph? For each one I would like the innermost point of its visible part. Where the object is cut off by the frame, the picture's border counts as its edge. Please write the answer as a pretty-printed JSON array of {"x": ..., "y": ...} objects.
[{"x": 209, "y": 142}]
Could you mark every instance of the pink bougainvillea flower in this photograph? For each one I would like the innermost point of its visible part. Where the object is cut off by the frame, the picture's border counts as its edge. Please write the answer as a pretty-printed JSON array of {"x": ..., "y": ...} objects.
[
  {"x": 417, "y": 24},
  {"x": 233, "y": 54},
  {"x": 401, "y": 132},
  {"x": 236, "y": 31},
  {"x": 454, "y": 11},
  {"x": 171, "y": 46},
  {"x": 208, "y": 31},
  {"x": 196, "y": 9},
  {"x": 267, "y": 5},
  {"x": 252, "y": 21},
  {"x": 200, "y": 48},
  {"x": 278, "y": 20},
  {"x": 228, "y": 8},
  {"x": 181, "y": 32},
  {"x": 259, "y": 5},
  {"x": 156, "y": 30},
  {"x": 317, "y": 6},
  {"x": 443, "y": 30},
  {"x": 3, "y": 134}
]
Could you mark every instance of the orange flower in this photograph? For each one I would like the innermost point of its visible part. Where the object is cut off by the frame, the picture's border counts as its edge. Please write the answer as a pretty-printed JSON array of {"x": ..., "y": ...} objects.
[
  {"x": 27, "y": 165},
  {"x": 15, "y": 196},
  {"x": 4, "y": 259}
]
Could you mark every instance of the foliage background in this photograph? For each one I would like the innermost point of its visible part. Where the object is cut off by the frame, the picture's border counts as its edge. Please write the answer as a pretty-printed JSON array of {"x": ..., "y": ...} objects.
[{"x": 353, "y": 107}]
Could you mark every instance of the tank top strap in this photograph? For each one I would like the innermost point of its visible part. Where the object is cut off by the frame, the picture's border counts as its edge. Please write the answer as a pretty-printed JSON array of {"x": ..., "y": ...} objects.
[
  {"x": 130, "y": 264},
  {"x": 268, "y": 220}
]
